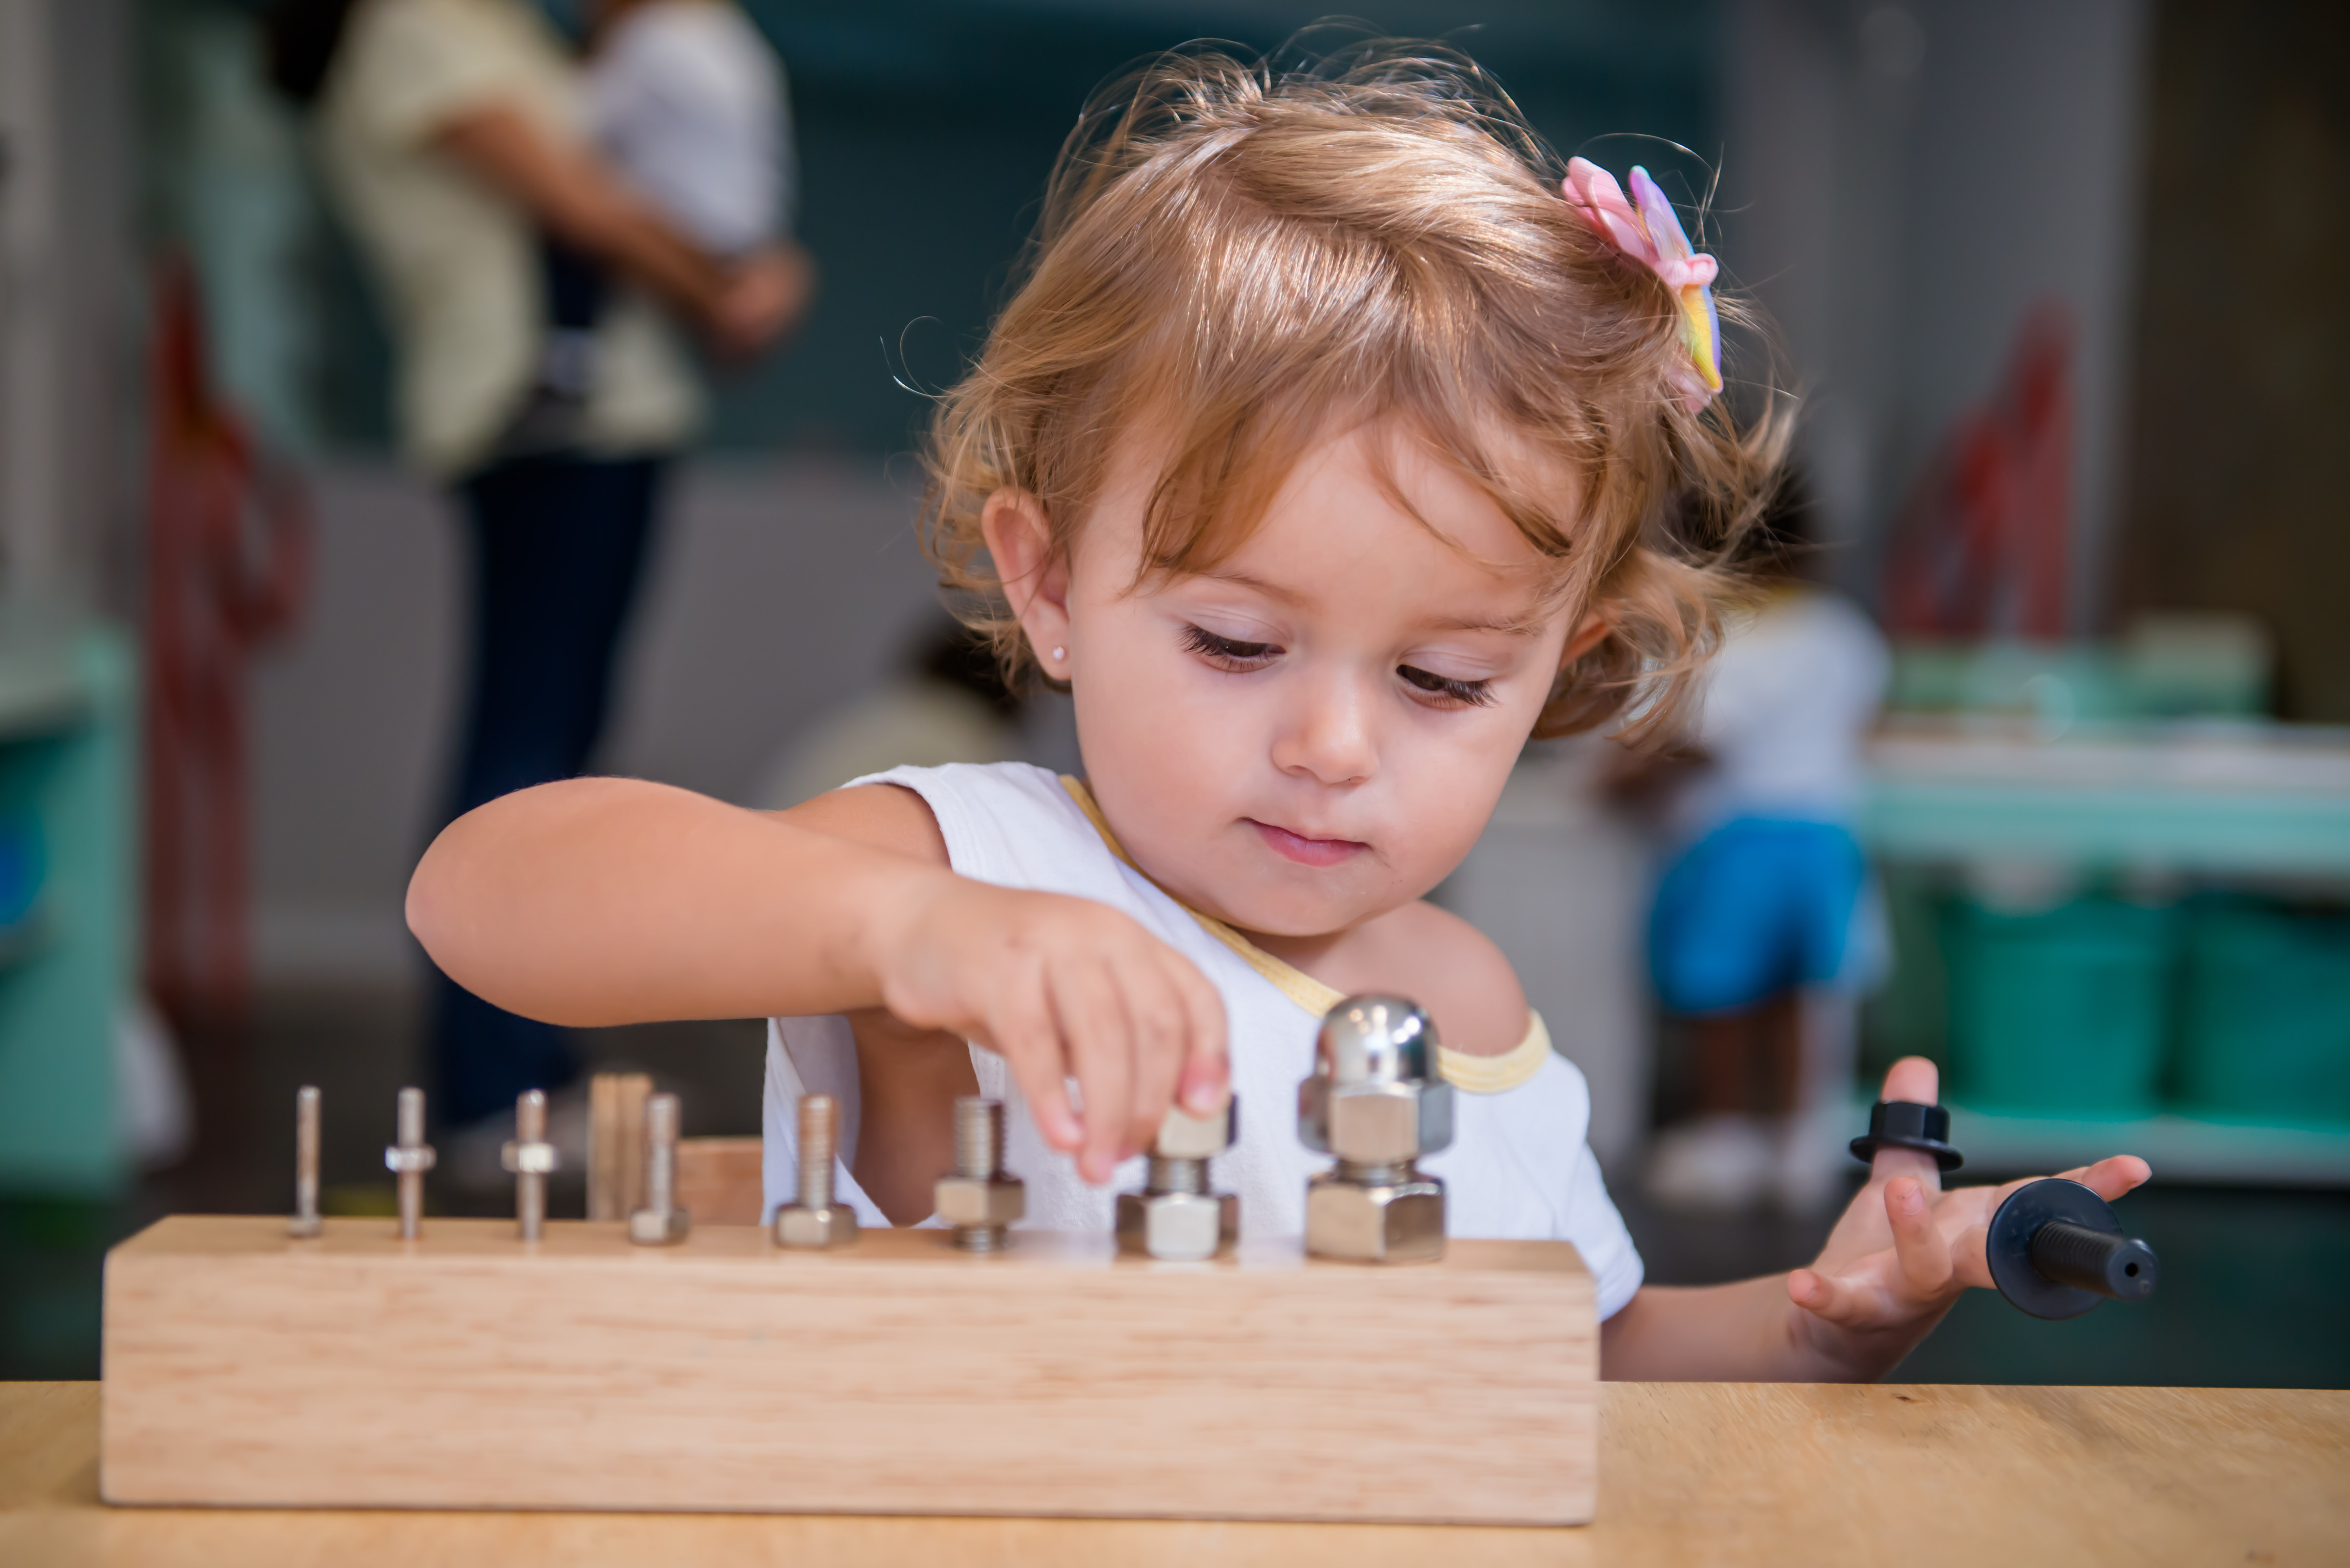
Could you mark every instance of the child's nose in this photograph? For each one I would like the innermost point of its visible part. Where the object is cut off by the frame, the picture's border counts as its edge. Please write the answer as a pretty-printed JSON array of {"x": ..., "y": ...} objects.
[{"x": 1327, "y": 737}]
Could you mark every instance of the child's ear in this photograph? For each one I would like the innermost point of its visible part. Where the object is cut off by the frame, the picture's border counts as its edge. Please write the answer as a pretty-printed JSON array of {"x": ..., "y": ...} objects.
[
  {"x": 1588, "y": 635},
  {"x": 1036, "y": 576}
]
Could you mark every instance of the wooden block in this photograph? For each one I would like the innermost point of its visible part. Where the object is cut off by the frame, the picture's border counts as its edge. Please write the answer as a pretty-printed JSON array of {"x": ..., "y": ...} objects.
[
  {"x": 467, "y": 1369},
  {"x": 720, "y": 1179},
  {"x": 616, "y": 1144}
]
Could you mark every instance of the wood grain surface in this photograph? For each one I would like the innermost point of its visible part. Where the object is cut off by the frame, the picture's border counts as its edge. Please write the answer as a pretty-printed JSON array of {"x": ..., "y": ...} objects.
[
  {"x": 899, "y": 1375},
  {"x": 719, "y": 1179},
  {"x": 1887, "y": 1477}
]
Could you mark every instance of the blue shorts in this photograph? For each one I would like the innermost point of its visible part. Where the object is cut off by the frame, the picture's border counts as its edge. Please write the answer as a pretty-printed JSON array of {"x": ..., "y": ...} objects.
[{"x": 1759, "y": 906}]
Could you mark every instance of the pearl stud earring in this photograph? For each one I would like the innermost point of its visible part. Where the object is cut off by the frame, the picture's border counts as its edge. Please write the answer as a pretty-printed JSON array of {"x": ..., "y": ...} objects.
[{"x": 1059, "y": 654}]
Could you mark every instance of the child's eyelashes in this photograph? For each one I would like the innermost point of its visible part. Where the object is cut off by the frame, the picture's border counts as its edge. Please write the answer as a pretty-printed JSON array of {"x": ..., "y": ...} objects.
[
  {"x": 1227, "y": 653},
  {"x": 1465, "y": 693},
  {"x": 1231, "y": 653}
]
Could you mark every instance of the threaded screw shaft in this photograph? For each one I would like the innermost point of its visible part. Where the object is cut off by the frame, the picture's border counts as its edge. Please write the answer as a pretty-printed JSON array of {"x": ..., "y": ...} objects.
[
  {"x": 306, "y": 1163},
  {"x": 660, "y": 1152},
  {"x": 820, "y": 1139},
  {"x": 410, "y": 1126},
  {"x": 979, "y": 1137}
]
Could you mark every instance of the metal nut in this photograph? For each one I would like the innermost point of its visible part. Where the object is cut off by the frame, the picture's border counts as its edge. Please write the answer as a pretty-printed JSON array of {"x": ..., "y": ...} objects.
[
  {"x": 1374, "y": 1097},
  {"x": 834, "y": 1225},
  {"x": 1401, "y": 1223},
  {"x": 981, "y": 1200},
  {"x": 1183, "y": 1226},
  {"x": 1375, "y": 1124},
  {"x": 659, "y": 1227},
  {"x": 536, "y": 1157},
  {"x": 1182, "y": 1136}
]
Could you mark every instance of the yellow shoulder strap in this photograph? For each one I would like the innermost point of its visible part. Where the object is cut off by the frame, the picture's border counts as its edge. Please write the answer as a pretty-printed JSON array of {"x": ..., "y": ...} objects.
[{"x": 1472, "y": 1075}]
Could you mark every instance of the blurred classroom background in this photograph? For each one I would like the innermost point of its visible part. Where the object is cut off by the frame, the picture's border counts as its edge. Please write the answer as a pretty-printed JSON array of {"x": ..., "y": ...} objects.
[{"x": 2052, "y": 275}]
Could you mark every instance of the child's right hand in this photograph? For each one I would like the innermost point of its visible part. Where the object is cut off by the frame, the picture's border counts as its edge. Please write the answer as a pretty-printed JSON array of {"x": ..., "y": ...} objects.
[{"x": 1063, "y": 988}]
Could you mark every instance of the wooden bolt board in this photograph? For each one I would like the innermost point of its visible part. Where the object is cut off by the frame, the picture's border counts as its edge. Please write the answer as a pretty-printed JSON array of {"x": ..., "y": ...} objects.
[{"x": 467, "y": 1369}]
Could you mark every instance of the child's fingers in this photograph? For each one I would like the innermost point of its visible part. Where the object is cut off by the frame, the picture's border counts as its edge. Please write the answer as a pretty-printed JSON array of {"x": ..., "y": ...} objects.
[
  {"x": 2111, "y": 1178},
  {"x": 1157, "y": 1014},
  {"x": 1839, "y": 1301},
  {"x": 1025, "y": 1034},
  {"x": 1917, "y": 1244},
  {"x": 1916, "y": 1079},
  {"x": 1099, "y": 1041},
  {"x": 1206, "y": 1074}
]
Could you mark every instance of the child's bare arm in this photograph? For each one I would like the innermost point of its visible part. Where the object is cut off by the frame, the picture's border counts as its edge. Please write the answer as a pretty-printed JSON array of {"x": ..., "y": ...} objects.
[
  {"x": 601, "y": 901},
  {"x": 1895, "y": 1263}
]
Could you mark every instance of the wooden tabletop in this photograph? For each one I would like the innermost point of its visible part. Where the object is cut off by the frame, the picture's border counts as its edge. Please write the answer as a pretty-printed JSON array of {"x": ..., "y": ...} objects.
[{"x": 1895, "y": 1477}]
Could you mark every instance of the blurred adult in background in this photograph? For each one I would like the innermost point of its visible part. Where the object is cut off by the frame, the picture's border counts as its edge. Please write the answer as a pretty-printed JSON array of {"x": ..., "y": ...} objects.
[
  {"x": 459, "y": 142},
  {"x": 1766, "y": 929}
]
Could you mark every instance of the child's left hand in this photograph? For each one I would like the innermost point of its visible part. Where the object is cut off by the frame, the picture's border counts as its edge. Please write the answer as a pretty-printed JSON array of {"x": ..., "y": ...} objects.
[{"x": 1905, "y": 1249}]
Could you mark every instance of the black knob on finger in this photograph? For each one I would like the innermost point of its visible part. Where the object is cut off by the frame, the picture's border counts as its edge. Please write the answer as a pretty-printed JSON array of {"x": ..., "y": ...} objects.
[{"x": 1906, "y": 1124}]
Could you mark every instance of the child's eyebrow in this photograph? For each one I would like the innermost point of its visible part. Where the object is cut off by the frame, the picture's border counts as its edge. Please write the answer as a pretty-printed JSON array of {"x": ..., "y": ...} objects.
[{"x": 1507, "y": 625}]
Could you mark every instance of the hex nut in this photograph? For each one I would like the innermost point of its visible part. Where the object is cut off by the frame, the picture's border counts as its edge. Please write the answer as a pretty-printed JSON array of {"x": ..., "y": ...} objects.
[
  {"x": 1182, "y": 1227},
  {"x": 798, "y": 1225},
  {"x": 1403, "y": 1223},
  {"x": 1182, "y": 1136},
  {"x": 1375, "y": 1123},
  {"x": 534, "y": 1159},
  {"x": 981, "y": 1200},
  {"x": 659, "y": 1227}
]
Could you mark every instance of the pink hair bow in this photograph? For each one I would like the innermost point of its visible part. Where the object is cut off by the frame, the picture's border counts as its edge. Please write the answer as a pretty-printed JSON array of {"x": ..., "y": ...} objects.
[{"x": 1651, "y": 235}]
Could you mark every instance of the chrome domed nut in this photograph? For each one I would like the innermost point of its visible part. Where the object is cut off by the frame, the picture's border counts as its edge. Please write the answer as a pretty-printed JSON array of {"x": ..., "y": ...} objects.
[
  {"x": 1374, "y": 1097},
  {"x": 1399, "y": 1222},
  {"x": 1180, "y": 1226}
]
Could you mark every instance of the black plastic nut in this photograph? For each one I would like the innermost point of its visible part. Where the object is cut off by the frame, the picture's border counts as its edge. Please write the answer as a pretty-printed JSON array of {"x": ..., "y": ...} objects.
[{"x": 1906, "y": 1123}]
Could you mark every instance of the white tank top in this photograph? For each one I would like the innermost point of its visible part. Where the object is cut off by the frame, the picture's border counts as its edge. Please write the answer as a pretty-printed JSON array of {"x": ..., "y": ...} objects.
[{"x": 1518, "y": 1168}]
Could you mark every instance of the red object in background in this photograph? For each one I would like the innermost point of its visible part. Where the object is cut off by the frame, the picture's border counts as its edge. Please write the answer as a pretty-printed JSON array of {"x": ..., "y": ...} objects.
[
  {"x": 227, "y": 568},
  {"x": 1983, "y": 546}
]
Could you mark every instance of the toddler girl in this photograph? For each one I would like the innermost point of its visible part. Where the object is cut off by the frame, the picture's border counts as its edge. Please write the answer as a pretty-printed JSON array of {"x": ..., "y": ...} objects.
[{"x": 1323, "y": 455}]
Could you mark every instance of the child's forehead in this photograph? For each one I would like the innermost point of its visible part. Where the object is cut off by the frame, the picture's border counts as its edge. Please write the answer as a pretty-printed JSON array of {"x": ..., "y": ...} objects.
[{"x": 1334, "y": 489}]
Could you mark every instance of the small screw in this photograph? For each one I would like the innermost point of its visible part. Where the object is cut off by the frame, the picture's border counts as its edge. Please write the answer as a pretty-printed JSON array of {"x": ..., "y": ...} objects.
[
  {"x": 408, "y": 1159},
  {"x": 530, "y": 1157},
  {"x": 814, "y": 1220},
  {"x": 661, "y": 1221},
  {"x": 306, "y": 1163}
]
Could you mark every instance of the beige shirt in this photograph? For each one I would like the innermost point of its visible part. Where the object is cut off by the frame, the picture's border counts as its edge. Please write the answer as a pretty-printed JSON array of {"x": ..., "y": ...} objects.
[{"x": 457, "y": 260}]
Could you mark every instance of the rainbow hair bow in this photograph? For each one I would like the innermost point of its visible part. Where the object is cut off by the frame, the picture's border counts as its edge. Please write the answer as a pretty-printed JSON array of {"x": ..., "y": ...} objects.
[{"x": 1651, "y": 235}]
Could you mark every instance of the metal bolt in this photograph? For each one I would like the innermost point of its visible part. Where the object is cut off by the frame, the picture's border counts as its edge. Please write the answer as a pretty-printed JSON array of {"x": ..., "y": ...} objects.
[
  {"x": 814, "y": 1220},
  {"x": 408, "y": 1159},
  {"x": 1375, "y": 1102},
  {"x": 531, "y": 1159},
  {"x": 1178, "y": 1215},
  {"x": 661, "y": 1221},
  {"x": 306, "y": 1163},
  {"x": 978, "y": 1199}
]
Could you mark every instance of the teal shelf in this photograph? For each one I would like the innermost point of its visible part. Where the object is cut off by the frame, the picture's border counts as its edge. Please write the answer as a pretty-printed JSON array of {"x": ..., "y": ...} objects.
[
  {"x": 69, "y": 724},
  {"x": 2247, "y": 799},
  {"x": 2180, "y": 1147}
]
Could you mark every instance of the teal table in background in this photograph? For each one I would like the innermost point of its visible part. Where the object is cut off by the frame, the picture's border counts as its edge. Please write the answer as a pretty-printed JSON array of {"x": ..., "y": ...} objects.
[
  {"x": 2236, "y": 803},
  {"x": 67, "y": 769}
]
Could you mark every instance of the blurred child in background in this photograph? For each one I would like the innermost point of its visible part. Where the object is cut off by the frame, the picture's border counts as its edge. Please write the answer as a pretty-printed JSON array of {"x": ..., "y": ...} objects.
[{"x": 1766, "y": 929}]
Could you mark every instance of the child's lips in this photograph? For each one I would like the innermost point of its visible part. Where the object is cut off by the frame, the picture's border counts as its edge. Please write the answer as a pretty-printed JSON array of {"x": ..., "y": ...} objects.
[{"x": 1304, "y": 850}]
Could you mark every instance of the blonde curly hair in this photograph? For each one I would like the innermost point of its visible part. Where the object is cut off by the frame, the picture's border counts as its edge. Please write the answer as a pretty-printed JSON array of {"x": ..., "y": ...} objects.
[{"x": 1236, "y": 254}]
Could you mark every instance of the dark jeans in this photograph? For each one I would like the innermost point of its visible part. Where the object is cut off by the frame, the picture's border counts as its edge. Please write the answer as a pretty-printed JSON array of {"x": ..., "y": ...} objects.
[{"x": 558, "y": 542}]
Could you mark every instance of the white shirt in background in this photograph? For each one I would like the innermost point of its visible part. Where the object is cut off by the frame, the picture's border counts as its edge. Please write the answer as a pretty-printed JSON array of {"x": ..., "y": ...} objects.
[
  {"x": 1787, "y": 704},
  {"x": 688, "y": 103}
]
